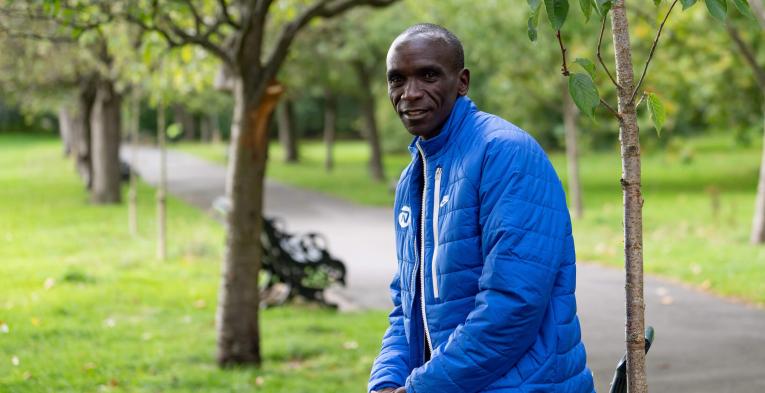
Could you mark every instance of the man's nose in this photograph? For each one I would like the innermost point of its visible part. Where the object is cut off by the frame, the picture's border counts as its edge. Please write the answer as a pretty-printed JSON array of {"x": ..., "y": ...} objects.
[{"x": 412, "y": 91}]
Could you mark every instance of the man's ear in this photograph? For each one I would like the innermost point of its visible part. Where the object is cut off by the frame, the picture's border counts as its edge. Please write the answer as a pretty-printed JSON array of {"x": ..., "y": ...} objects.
[{"x": 464, "y": 82}]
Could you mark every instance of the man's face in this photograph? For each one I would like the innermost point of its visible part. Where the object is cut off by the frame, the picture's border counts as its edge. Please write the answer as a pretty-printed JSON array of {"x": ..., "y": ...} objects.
[{"x": 423, "y": 83}]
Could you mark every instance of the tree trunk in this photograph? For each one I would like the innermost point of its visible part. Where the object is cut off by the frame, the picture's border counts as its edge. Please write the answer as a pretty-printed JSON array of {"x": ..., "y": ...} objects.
[
  {"x": 182, "y": 116},
  {"x": 81, "y": 134},
  {"x": 330, "y": 125},
  {"x": 758, "y": 221},
  {"x": 370, "y": 123},
  {"x": 238, "y": 303},
  {"x": 162, "y": 187},
  {"x": 65, "y": 127},
  {"x": 105, "y": 125},
  {"x": 217, "y": 135},
  {"x": 572, "y": 152},
  {"x": 633, "y": 202},
  {"x": 286, "y": 126},
  {"x": 135, "y": 114},
  {"x": 205, "y": 129}
]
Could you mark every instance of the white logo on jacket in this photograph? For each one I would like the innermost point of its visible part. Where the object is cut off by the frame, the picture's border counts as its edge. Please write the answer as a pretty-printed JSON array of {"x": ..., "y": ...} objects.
[
  {"x": 444, "y": 200},
  {"x": 405, "y": 217}
]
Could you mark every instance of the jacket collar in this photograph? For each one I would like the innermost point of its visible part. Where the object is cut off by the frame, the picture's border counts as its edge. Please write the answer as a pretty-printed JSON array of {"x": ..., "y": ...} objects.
[{"x": 434, "y": 146}]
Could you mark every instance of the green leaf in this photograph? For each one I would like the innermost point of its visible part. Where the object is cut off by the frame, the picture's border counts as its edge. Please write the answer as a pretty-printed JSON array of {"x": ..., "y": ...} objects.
[
  {"x": 187, "y": 53},
  {"x": 532, "y": 29},
  {"x": 557, "y": 11},
  {"x": 584, "y": 93},
  {"x": 533, "y": 19},
  {"x": 603, "y": 6},
  {"x": 687, "y": 3},
  {"x": 743, "y": 7},
  {"x": 173, "y": 130},
  {"x": 656, "y": 111},
  {"x": 586, "y": 6},
  {"x": 587, "y": 65},
  {"x": 656, "y": 2},
  {"x": 718, "y": 9}
]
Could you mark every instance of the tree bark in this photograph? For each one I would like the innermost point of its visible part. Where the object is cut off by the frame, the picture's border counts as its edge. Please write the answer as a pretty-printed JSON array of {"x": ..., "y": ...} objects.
[
  {"x": 286, "y": 125},
  {"x": 81, "y": 133},
  {"x": 758, "y": 220},
  {"x": 330, "y": 125},
  {"x": 238, "y": 302},
  {"x": 106, "y": 124},
  {"x": 162, "y": 187},
  {"x": 633, "y": 202},
  {"x": 65, "y": 127},
  {"x": 135, "y": 114},
  {"x": 370, "y": 123},
  {"x": 217, "y": 135},
  {"x": 205, "y": 129},
  {"x": 572, "y": 153},
  {"x": 182, "y": 116}
]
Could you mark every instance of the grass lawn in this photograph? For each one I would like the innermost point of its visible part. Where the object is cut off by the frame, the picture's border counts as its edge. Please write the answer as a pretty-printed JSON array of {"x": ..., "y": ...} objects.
[
  {"x": 85, "y": 307},
  {"x": 685, "y": 236}
]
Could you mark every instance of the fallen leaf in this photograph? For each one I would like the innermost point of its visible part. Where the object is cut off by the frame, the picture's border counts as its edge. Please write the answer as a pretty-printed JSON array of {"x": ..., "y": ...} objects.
[
  {"x": 35, "y": 321},
  {"x": 696, "y": 269},
  {"x": 706, "y": 284},
  {"x": 259, "y": 381},
  {"x": 661, "y": 291},
  {"x": 15, "y": 360},
  {"x": 4, "y": 327},
  {"x": 89, "y": 366},
  {"x": 27, "y": 375},
  {"x": 200, "y": 303},
  {"x": 113, "y": 382},
  {"x": 350, "y": 345},
  {"x": 49, "y": 283},
  {"x": 110, "y": 322},
  {"x": 667, "y": 300}
]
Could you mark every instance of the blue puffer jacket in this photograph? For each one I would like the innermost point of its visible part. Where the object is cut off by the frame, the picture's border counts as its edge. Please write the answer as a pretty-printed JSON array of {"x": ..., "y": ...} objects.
[{"x": 493, "y": 254}]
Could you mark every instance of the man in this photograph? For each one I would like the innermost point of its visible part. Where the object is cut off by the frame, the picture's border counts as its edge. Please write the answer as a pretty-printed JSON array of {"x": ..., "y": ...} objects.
[{"x": 484, "y": 292}]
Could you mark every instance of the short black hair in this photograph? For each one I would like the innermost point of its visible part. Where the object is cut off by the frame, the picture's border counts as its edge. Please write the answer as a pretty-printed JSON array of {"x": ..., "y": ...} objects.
[{"x": 440, "y": 32}]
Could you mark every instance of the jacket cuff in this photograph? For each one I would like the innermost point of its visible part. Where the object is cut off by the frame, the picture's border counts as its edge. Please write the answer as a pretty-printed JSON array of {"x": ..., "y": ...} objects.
[
  {"x": 382, "y": 385},
  {"x": 409, "y": 385}
]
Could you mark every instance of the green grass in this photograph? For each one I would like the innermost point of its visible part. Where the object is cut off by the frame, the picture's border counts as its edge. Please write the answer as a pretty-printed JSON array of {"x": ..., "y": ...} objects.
[
  {"x": 685, "y": 237},
  {"x": 87, "y": 307}
]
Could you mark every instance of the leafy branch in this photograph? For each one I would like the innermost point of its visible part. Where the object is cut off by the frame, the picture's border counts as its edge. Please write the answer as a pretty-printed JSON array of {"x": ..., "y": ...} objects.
[
  {"x": 600, "y": 58},
  {"x": 563, "y": 68},
  {"x": 653, "y": 49}
]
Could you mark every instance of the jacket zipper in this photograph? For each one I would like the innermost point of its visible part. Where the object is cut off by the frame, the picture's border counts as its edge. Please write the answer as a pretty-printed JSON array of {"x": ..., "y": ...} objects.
[
  {"x": 436, "y": 208},
  {"x": 422, "y": 248}
]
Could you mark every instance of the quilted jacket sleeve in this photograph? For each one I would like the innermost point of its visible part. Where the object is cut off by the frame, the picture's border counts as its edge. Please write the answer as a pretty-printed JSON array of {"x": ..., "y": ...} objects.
[
  {"x": 391, "y": 367},
  {"x": 523, "y": 217}
]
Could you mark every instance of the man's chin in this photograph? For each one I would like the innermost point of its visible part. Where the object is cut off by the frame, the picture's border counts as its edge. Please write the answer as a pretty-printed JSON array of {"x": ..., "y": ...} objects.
[{"x": 418, "y": 129}]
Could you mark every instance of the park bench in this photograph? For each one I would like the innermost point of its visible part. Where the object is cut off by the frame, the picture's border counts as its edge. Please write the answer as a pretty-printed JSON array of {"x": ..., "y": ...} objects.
[
  {"x": 294, "y": 266},
  {"x": 299, "y": 261}
]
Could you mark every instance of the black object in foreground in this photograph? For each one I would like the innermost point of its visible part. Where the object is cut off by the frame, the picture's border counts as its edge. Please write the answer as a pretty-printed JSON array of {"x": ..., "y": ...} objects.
[
  {"x": 297, "y": 265},
  {"x": 619, "y": 383}
]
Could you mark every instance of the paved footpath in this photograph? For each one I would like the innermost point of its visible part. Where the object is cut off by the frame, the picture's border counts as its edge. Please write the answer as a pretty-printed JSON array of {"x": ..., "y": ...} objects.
[{"x": 703, "y": 343}]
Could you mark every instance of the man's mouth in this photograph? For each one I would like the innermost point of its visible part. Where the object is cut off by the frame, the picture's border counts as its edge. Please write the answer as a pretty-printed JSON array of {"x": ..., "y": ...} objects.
[{"x": 414, "y": 114}]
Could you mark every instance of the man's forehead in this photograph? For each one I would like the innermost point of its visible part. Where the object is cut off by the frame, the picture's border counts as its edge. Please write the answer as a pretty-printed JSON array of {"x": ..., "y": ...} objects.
[{"x": 428, "y": 45}]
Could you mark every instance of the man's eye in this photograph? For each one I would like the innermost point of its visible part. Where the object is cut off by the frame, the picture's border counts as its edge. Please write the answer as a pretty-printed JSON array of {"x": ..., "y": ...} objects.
[
  {"x": 429, "y": 75},
  {"x": 395, "y": 80}
]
